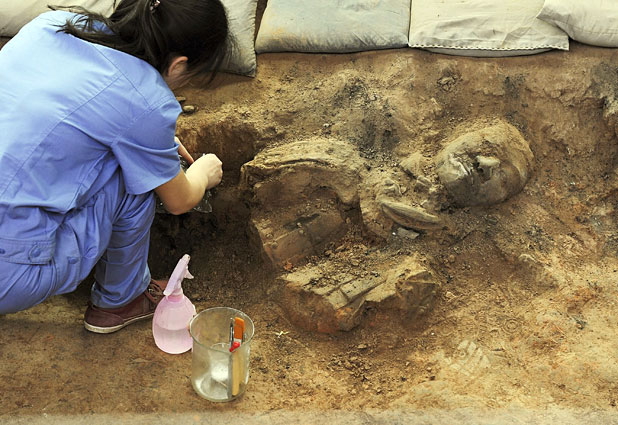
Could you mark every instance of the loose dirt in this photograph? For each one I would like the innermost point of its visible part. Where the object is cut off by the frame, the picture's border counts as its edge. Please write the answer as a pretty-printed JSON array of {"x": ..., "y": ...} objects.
[
  {"x": 526, "y": 313},
  {"x": 526, "y": 310}
]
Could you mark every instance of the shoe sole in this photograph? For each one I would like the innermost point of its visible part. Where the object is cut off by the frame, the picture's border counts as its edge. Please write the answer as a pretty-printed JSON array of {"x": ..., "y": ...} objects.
[{"x": 110, "y": 329}]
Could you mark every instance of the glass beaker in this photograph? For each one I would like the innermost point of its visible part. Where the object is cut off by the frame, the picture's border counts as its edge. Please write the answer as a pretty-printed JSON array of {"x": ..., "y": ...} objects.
[{"x": 218, "y": 374}]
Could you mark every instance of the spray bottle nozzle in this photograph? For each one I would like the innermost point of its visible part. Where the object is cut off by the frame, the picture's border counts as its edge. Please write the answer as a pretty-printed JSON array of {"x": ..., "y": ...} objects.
[{"x": 174, "y": 285}]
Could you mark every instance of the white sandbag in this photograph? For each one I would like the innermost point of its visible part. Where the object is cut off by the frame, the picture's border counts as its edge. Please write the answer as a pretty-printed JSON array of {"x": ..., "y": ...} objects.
[
  {"x": 14, "y": 14},
  {"x": 483, "y": 27},
  {"x": 592, "y": 22},
  {"x": 333, "y": 26}
]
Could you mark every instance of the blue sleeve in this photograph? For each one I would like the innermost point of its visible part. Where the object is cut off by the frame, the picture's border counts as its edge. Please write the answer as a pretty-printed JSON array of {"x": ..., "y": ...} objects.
[{"x": 147, "y": 152}]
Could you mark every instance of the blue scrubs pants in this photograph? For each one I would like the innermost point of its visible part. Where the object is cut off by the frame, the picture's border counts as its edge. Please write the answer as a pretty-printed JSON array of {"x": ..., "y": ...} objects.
[{"x": 111, "y": 233}]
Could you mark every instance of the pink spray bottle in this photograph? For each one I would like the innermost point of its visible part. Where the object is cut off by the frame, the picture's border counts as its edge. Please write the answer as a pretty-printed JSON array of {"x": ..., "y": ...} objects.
[{"x": 174, "y": 312}]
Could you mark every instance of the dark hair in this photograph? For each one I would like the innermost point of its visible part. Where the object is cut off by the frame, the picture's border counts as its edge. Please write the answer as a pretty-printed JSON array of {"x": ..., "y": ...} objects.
[{"x": 159, "y": 31}]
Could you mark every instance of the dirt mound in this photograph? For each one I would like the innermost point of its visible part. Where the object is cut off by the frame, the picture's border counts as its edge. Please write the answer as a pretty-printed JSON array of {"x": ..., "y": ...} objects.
[
  {"x": 333, "y": 217},
  {"x": 343, "y": 183}
]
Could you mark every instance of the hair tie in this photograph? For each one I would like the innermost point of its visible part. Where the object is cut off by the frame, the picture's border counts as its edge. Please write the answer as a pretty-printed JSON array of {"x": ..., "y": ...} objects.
[{"x": 153, "y": 5}]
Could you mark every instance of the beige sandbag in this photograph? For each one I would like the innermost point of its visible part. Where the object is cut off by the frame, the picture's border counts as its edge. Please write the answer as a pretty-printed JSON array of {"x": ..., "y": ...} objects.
[
  {"x": 483, "y": 27},
  {"x": 592, "y": 22},
  {"x": 14, "y": 14},
  {"x": 333, "y": 26}
]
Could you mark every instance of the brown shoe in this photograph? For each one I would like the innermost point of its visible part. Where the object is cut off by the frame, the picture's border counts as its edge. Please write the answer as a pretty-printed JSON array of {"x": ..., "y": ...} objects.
[{"x": 108, "y": 320}]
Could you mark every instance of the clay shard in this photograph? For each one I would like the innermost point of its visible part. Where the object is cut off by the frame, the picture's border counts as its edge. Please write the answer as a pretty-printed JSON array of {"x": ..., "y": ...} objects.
[
  {"x": 291, "y": 242},
  {"x": 409, "y": 216},
  {"x": 301, "y": 191},
  {"x": 414, "y": 164},
  {"x": 409, "y": 289},
  {"x": 317, "y": 298},
  {"x": 286, "y": 173}
]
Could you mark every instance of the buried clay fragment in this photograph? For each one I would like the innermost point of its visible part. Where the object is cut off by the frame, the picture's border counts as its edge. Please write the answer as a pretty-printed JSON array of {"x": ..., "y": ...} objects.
[
  {"x": 414, "y": 165},
  {"x": 325, "y": 299},
  {"x": 301, "y": 192},
  {"x": 408, "y": 216},
  {"x": 485, "y": 167}
]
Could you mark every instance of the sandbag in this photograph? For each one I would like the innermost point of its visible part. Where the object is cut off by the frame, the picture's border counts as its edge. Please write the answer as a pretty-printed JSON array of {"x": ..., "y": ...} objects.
[
  {"x": 593, "y": 22},
  {"x": 14, "y": 14},
  {"x": 333, "y": 26},
  {"x": 483, "y": 28},
  {"x": 241, "y": 18}
]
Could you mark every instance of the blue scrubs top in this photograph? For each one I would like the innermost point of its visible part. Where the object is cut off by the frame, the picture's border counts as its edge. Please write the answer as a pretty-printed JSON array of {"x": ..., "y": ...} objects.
[{"x": 71, "y": 114}]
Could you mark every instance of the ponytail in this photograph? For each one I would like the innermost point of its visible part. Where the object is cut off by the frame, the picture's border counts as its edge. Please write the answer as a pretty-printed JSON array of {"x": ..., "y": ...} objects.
[{"x": 159, "y": 30}]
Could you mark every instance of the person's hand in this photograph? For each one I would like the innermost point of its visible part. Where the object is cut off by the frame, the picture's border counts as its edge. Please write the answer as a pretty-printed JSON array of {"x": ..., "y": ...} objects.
[
  {"x": 182, "y": 151},
  {"x": 186, "y": 190},
  {"x": 211, "y": 167}
]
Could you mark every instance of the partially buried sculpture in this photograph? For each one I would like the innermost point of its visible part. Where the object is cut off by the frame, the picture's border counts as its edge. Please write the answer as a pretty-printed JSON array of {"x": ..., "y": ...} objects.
[{"x": 485, "y": 167}]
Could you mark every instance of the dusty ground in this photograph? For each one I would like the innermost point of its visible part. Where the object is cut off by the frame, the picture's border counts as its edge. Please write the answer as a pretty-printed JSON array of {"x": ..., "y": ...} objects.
[{"x": 503, "y": 334}]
